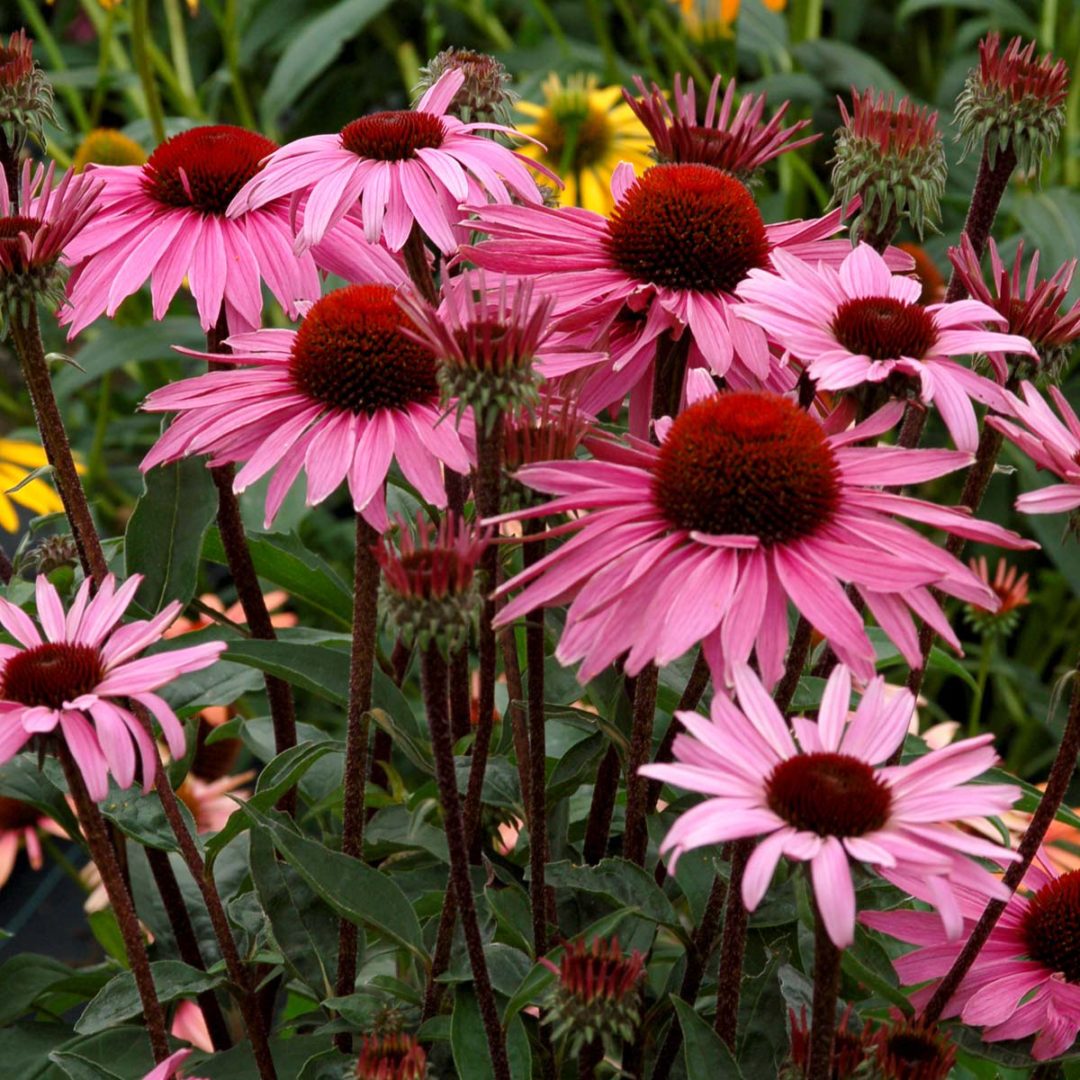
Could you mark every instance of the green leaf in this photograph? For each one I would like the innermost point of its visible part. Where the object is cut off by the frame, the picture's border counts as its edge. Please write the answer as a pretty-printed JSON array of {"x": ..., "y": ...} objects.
[
  {"x": 142, "y": 817},
  {"x": 840, "y": 66},
  {"x": 312, "y": 50},
  {"x": 357, "y": 892},
  {"x": 469, "y": 1043},
  {"x": 318, "y": 668},
  {"x": 304, "y": 927},
  {"x": 164, "y": 535},
  {"x": 20, "y": 778},
  {"x": 1006, "y": 15},
  {"x": 119, "y": 1000},
  {"x": 77, "y": 1067},
  {"x": 703, "y": 1051},
  {"x": 25, "y": 978},
  {"x": 621, "y": 882},
  {"x": 282, "y": 559},
  {"x": 290, "y": 1056}
]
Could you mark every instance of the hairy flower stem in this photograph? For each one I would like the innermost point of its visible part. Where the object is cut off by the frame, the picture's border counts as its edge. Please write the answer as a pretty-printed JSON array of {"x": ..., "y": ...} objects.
[
  {"x": 104, "y": 856},
  {"x": 35, "y": 369},
  {"x": 238, "y": 974},
  {"x": 602, "y": 807},
  {"x": 361, "y": 674},
  {"x": 538, "y": 832},
  {"x": 516, "y": 710},
  {"x": 732, "y": 948},
  {"x": 697, "y": 957},
  {"x": 242, "y": 569},
  {"x": 636, "y": 836},
  {"x": 826, "y": 990},
  {"x": 186, "y": 942},
  {"x": 433, "y": 680},
  {"x": 733, "y": 943},
  {"x": 460, "y": 690},
  {"x": 1056, "y": 786},
  {"x": 990, "y": 184},
  {"x": 487, "y": 486}
]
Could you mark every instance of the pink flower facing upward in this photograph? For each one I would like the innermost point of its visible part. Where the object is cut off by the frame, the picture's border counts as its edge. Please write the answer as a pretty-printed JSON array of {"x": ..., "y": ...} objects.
[
  {"x": 165, "y": 221},
  {"x": 668, "y": 260},
  {"x": 341, "y": 398},
  {"x": 748, "y": 502},
  {"x": 76, "y": 677},
  {"x": 407, "y": 166},
  {"x": 824, "y": 797},
  {"x": 861, "y": 323},
  {"x": 1026, "y": 979},
  {"x": 1052, "y": 443}
]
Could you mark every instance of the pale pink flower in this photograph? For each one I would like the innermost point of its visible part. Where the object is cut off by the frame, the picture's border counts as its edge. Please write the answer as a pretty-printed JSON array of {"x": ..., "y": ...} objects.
[
  {"x": 407, "y": 166},
  {"x": 860, "y": 323},
  {"x": 169, "y": 1069},
  {"x": 165, "y": 222},
  {"x": 21, "y": 826},
  {"x": 667, "y": 261},
  {"x": 1052, "y": 443},
  {"x": 826, "y": 797},
  {"x": 190, "y": 1025},
  {"x": 75, "y": 680},
  {"x": 748, "y": 502},
  {"x": 1025, "y": 980},
  {"x": 340, "y": 398}
]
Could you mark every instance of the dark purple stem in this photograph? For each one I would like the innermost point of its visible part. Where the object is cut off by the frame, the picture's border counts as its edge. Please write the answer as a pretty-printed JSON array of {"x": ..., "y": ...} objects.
[{"x": 826, "y": 991}]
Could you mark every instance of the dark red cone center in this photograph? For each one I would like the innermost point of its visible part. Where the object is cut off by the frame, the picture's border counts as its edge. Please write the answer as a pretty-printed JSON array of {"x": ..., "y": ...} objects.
[
  {"x": 205, "y": 168},
  {"x": 747, "y": 463},
  {"x": 688, "y": 227},
  {"x": 50, "y": 674},
  {"x": 828, "y": 794},
  {"x": 393, "y": 136},
  {"x": 1052, "y": 926},
  {"x": 883, "y": 328},
  {"x": 350, "y": 353}
]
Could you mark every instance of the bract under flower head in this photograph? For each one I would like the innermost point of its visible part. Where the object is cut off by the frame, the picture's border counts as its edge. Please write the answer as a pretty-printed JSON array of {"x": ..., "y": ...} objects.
[
  {"x": 1032, "y": 305},
  {"x": 428, "y": 579},
  {"x": 829, "y": 798},
  {"x": 340, "y": 398},
  {"x": 863, "y": 324},
  {"x": 747, "y": 503},
  {"x": 73, "y": 683},
  {"x": 737, "y": 140},
  {"x": 1026, "y": 979},
  {"x": 1013, "y": 100},
  {"x": 892, "y": 156}
]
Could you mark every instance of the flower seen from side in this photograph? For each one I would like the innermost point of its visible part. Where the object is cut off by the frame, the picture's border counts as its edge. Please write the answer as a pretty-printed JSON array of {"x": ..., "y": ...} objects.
[
  {"x": 72, "y": 682},
  {"x": 340, "y": 398},
  {"x": 394, "y": 1055},
  {"x": 582, "y": 132},
  {"x": 822, "y": 793},
  {"x": 748, "y": 502},
  {"x": 410, "y": 166},
  {"x": 1026, "y": 979},
  {"x": 861, "y": 323},
  {"x": 21, "y": 826},
  {"x": 1011, "y": 589}
]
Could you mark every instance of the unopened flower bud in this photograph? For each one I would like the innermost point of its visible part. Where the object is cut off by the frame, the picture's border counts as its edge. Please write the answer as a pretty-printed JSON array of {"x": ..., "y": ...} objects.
[{"x": 485, "y": 95}]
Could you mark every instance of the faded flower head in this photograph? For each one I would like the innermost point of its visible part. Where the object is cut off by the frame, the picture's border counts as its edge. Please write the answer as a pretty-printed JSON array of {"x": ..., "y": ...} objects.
[
  {"x": 911, "y": 1049},
  {"x": 1013, "y": 100},
  {"x": 1011, "y": 589},
  {"x": 736, "y": 139},
  {"x": 26, "y": 98},
  {"x": 1033, "y": 305},
  {"x": 428, "y": 587},
  {"x": 849, "y": 1050},
  {"x": 597, "y": 995},
  {"x": 391, "y": 1056},
  {"x": 891, "y": 155},
  {"x": 485, "y": 95}
]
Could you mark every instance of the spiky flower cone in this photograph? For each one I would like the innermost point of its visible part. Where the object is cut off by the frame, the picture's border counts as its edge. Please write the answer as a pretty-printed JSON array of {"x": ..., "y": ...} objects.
[{"x": 485, "y": 95}]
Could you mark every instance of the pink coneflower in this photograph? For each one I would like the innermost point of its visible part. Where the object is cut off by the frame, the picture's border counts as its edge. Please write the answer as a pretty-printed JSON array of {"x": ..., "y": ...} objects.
[
  {"x": 407, "y": 166},
  {"x": 748, "y": 502},
  {"x": 75, "y": 680},
  {"x": 1052, "y": 443},
  {"x": 1032, "y": 306},
  {"x": 340, "y": 398},
  {"x": 864, "y": 324},
  {"x": 165, "y": 221},
  {"x": 395, "y": 1055},
  {"x": 668, "y": 260},
  {"x": 213, "y": 802},
  {"x": 35, "y": 232},
  {"x": 169, "y": 1069},
  {"x": 1025, "y": 980},
  {"x": 738, "y": 140},
  {"x": 830, "y": 798},
  {"x": 21, "y": 826}
]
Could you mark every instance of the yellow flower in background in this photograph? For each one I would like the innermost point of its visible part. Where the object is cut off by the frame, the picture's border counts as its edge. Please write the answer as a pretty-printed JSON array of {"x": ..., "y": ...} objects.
[
  {"x": 707, "y": 20},
  {"x": 587, "y": 130},
  {"x": 17, "y": 461},
  {"x": 108, "y": 5},
  {"x": 107, "y": 146}
]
